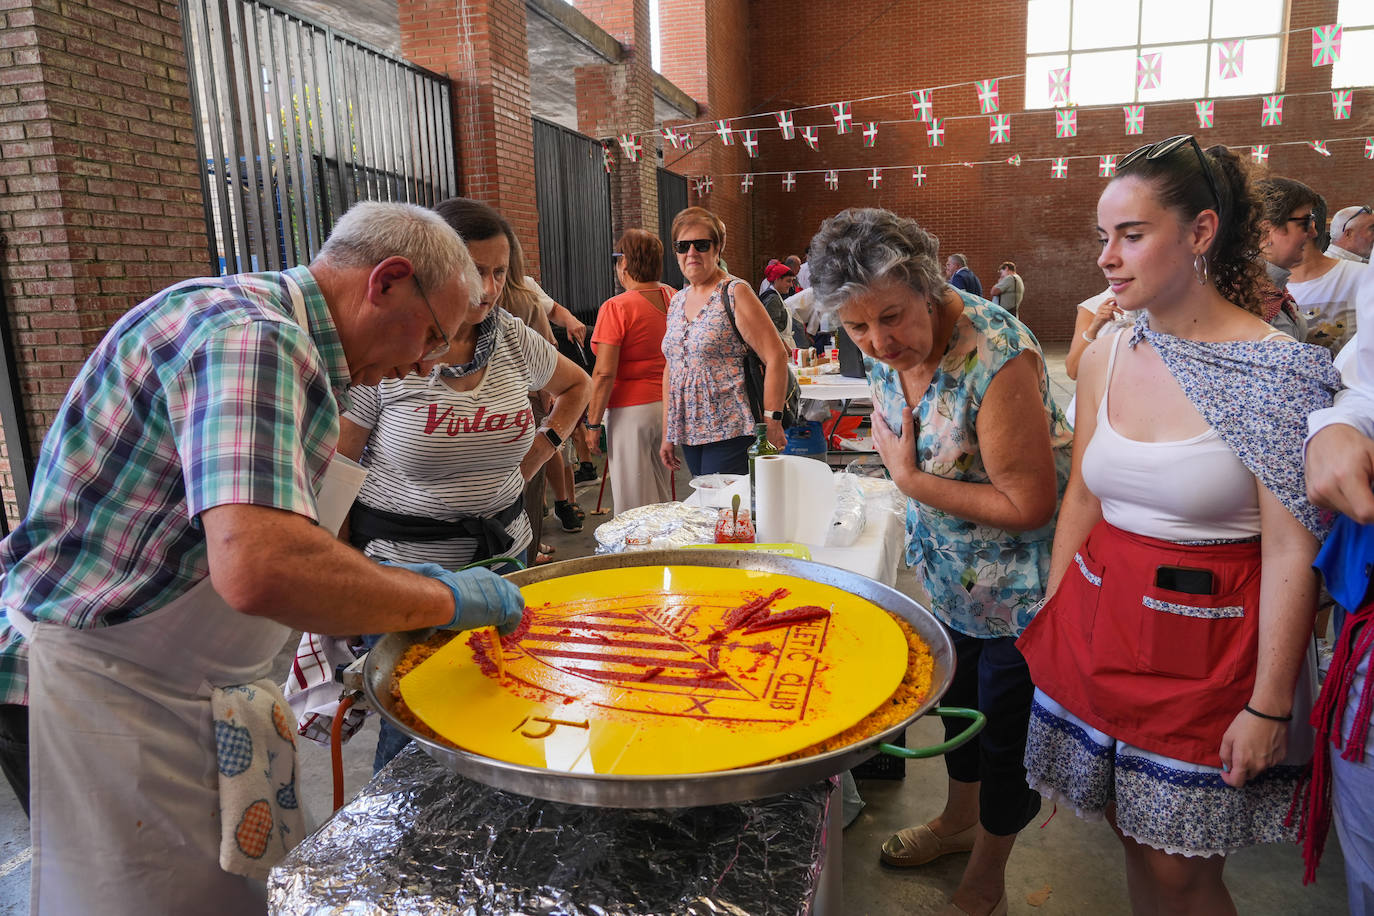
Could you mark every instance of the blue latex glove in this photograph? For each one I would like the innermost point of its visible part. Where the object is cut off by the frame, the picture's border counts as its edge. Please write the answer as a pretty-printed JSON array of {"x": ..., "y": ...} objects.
[{"x": 481, "y": 598}]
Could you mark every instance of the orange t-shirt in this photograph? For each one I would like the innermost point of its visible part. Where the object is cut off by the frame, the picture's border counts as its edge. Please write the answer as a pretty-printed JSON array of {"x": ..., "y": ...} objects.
[{"x": 634, "y": 322}]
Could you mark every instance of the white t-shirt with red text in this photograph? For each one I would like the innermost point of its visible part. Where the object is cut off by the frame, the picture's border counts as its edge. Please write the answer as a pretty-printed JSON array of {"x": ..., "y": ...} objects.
[{"x": 444, "y": 454}]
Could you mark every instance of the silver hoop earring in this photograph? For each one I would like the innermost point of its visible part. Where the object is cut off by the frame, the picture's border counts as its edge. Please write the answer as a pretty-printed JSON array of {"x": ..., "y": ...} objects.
[{"x": 1200, "y": 268}]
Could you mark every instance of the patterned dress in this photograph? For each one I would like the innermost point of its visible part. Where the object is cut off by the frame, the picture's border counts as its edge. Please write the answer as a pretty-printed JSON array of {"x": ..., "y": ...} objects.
[
  {"x": 983, "y": 581},
  {"x": 706, "y": 399}
]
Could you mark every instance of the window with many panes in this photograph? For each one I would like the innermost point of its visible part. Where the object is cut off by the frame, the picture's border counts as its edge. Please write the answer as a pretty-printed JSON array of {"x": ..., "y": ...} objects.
[
  {"x": 1100, "y": 41},
  {"x": 1356, "y": 66}
]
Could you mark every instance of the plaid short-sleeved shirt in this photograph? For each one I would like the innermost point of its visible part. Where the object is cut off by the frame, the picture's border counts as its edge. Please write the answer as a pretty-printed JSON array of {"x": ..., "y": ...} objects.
[{"x": 207, "y": 394}]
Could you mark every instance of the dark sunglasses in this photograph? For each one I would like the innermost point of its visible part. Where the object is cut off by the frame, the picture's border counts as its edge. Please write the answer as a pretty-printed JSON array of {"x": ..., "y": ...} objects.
[
  {"x": 1164, "y": 148},
  {"x": 702, "y": 245}
]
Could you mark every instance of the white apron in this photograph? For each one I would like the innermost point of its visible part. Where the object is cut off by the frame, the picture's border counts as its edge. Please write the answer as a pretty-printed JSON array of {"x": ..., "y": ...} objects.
[{"x": 124, "y": 785}]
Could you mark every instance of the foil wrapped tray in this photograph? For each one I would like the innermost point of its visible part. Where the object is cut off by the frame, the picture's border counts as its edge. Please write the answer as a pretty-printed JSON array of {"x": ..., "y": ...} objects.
[{"x": 420, "y": 839}]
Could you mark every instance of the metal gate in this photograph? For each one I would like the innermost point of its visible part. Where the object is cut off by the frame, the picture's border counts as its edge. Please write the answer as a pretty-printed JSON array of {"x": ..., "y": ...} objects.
[
  {"x": 672, "y": 200},
  {"x": 573, "y": 193},
  {"x": 296, "y": 123}
]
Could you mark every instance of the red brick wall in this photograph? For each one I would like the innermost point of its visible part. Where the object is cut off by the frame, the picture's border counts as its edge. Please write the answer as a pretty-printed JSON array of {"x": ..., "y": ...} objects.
[
  {"x": 100, "y": 199},
  {"x": 480, "y": 45},
  {"x": 613, "y": 99},
  {"x": 706, "y": 52},
  {"x": 992, "y": 213}
]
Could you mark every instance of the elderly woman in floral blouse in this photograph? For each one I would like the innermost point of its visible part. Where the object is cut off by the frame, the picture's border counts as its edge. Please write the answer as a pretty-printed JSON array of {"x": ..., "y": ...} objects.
[
  {"x": 706, "y": 410},
  {"x": 965, "y": 423}
]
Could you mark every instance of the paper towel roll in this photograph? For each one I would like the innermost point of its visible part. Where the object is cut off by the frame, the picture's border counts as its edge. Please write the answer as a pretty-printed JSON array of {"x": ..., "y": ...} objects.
[{"x": 795, "y": 499}]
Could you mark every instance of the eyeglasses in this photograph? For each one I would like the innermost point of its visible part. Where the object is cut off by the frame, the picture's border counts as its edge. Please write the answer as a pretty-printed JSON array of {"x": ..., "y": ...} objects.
[
  {"x": 1307, "y": 221},
  {"x": 702, "y": 245},
  {"x": 438, "y": 349},
  {"x": 1164, "y": 148}
]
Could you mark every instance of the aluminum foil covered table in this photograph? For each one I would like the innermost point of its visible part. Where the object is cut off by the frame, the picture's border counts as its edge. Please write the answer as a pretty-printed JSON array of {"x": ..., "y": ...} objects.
[{"x": 418, "y": 839}]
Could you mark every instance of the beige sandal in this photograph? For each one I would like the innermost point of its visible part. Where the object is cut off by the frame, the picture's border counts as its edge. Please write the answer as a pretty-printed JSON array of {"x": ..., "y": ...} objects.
[
  {"x": 913, "y": 846},
  {"x": 953, "y": 909}
]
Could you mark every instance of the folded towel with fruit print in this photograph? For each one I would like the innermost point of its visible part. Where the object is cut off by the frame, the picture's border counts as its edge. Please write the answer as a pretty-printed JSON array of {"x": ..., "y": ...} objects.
[{"x": 260, "y": 816}]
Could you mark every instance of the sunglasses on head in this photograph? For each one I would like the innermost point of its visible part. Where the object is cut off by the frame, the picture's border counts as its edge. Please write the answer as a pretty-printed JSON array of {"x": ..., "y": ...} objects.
[
  {"x": 702, "y": 245},
  {"x": 1164, "y": 148}
]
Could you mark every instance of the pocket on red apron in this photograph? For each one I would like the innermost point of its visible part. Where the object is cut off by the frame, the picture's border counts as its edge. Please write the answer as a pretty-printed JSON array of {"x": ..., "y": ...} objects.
[{"x": 1192, "y": 636}]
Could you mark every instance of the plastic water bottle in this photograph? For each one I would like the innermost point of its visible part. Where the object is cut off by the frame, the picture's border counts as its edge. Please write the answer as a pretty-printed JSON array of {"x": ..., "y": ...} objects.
[{"x": 760, "y": 446}]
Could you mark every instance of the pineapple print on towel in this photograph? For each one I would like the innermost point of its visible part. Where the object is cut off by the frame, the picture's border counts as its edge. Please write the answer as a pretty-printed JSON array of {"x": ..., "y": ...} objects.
[{"x": 260, "y": 814}]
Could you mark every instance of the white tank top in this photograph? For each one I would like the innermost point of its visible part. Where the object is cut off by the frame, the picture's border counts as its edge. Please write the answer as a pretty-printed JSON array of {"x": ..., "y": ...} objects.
[{"x": 1193, "y": 489}]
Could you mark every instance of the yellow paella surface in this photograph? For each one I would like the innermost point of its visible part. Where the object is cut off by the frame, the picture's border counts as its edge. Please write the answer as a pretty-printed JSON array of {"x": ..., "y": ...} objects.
[{"x": 666, "y": 669}]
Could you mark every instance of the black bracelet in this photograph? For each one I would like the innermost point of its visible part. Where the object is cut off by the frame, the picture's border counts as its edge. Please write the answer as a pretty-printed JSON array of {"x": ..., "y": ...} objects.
[
  {"x": 1255, "y": 712},
  {"x": 596, "y": 426}
]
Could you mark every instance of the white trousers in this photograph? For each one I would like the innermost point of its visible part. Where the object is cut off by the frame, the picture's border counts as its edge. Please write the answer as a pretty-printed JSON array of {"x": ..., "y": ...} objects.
[{"x": 638, "y": 477}]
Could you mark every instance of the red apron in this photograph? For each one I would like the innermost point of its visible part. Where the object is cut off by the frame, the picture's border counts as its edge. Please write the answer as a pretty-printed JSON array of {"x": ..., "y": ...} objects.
[{"x": 1162, "y": 670}]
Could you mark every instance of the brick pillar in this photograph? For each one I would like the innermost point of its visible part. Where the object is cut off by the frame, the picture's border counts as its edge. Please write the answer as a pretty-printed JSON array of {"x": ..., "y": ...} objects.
[
  {"x": 705, "y": 52},
  {"x": 614, "y": 99},
  {"x": 480, "y": 45},
  {"x": 100, "y": 200}
]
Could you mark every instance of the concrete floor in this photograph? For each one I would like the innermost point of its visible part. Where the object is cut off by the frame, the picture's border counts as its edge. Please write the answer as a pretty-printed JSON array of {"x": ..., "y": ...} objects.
[{"x": 1066, "y": 865}]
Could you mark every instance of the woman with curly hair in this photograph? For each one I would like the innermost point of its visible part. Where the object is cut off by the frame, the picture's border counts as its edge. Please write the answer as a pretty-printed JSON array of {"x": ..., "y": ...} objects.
[
  {"x": 1169, "y": 659},
  {"x": 965, "y": 424}
]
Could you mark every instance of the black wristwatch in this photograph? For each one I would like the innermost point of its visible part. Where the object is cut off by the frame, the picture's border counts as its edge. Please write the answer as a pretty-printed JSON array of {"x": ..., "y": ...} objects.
[
  {"x": 550, "y": 434},
  {"x": 773, "y": 415}
]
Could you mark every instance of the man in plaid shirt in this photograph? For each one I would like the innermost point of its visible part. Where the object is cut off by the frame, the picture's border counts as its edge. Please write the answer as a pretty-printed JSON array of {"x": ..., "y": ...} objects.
[{"x": 176, "y": 535}]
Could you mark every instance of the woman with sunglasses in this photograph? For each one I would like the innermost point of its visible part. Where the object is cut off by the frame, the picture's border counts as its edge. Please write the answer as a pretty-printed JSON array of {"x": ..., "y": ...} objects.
[
  {"x": 706, "y": 410},
  {"x": 1171, "y": 697},
  {"x": 627, "y": 381},
  {"x": 449, "y": 451}
]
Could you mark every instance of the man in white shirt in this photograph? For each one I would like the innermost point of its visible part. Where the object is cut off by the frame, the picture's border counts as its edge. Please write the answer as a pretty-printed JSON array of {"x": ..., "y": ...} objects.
[{"x": 1352, "y": 234}]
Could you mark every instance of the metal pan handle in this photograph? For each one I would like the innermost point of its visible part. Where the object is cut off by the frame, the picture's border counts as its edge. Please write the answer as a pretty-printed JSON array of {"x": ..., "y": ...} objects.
[{"x": 936, "y": 750}]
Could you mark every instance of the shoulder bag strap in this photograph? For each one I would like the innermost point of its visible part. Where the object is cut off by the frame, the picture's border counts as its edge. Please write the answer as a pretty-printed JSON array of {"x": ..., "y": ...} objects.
[{"x": 730, "y": 312}]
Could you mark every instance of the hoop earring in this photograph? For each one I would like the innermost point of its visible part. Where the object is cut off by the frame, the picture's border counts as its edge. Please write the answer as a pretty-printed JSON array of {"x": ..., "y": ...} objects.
[{"x": 1200, "y": 269}]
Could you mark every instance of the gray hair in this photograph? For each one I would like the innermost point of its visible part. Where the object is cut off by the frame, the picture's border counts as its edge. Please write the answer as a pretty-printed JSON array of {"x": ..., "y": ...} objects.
[
  {"x": 372, "y": 231},
  {"x": 860, "y": 248},
  {"x": 959, "y": 259}
]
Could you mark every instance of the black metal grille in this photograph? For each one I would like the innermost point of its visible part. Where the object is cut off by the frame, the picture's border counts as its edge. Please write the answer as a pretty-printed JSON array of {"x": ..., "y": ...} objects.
[
  {"x": 296, "y": 123},
  {"x": 573, "y": 193},
  {"x": 672, "y": 200}
]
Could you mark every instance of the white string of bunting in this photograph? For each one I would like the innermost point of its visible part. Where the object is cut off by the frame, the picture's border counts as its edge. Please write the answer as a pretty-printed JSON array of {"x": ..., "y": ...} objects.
[
  {"x": 1326, "y": 50},
  {"x": 1059, "y": 165}
]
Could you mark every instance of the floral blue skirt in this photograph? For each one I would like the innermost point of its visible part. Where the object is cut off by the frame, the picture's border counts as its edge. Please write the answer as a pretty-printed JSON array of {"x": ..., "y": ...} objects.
[{"x": 1179, "y": 807}]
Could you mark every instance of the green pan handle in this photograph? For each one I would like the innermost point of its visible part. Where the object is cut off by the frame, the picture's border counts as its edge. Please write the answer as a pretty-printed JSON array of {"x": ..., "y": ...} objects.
[
  {"x": 494, "y": 561},
  {"x": 936, "y": 750}
]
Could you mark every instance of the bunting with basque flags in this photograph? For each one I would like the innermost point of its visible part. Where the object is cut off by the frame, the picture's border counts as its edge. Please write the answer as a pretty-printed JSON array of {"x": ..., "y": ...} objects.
[
  {"x": 871, "y": 134},
  {"x": 1106, "y": 166},
  {"x": 1319, "y": 146},
  {"x": 987, "y": 95},
  {"x": 727, "y": 136},
  {"x": 1206, "y": 111},
  {"x": 1065, "y": 124},
  {"x": 751, "y": 143},
  {"x": 918, "y": 175},
  {"x": 789, "y": 181},
  {"x": 1272, "y": 113},
  {"x": 844, "y": 121},
  {"x": 1231, "y": 59},
  {"x": 875, "y": 178},
  {"x": 1059, "y": 86},
  {"x": 1060, "y": 168},
  {"x": 1149, "y": 70},
  {"x": 1260, "y": 153},
  {"x": 1326, "y": 45},
  {"x": 1135, "y": 119},
  {"x": 921, "y": 107},
  {"x": 746, "y": 183},
  {"x": 784, "y": 119},
  {"x": 999, "y": 128},
  {"x": 832, "y": 180},
  {"x": 1341, "y": 101},
  {"x": 812, "y": 137},
  {"x": 935, "y": 133}
]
